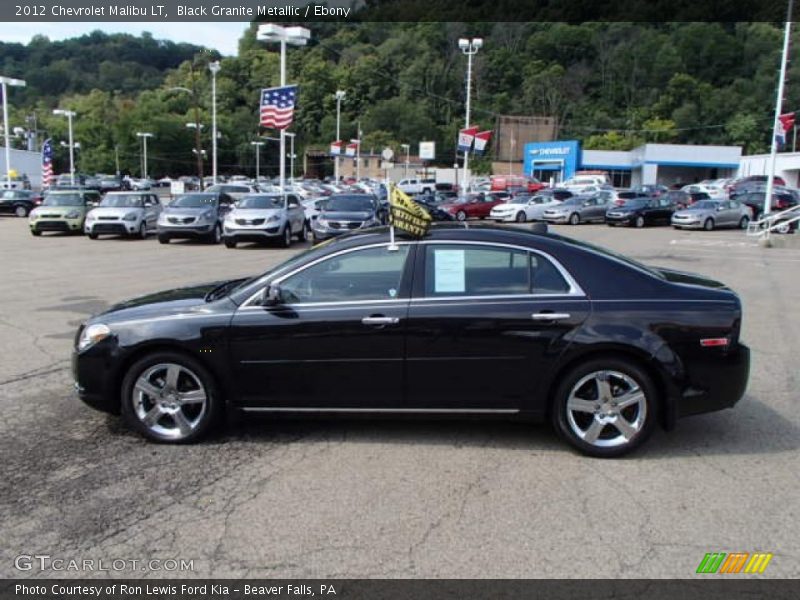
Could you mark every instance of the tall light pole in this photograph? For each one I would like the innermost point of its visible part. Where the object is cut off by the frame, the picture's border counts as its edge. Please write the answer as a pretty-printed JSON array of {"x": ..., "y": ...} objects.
[
  {"x": 297, "y": 36},
  {"x": 214, "y": 67},
  {"x": 258, "y": 153},
  {"x": 470, "y": 48},
  {"x": 4, "y": 83},
  {"x": 291, "y": 156},
  {"x": 339, "y": 95},
  {"x": 69, "y": 114},
  {"x": 407, "y": 148},
  {"x": 197, "y": 126},
  {"x": 144, "y": 135}
]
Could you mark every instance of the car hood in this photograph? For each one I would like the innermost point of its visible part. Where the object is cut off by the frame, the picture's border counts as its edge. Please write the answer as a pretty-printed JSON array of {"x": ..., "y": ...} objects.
[
  {"x": 255, "y": 213},
  {"x": 345, "y": 216},
  {"x": 59, "y": 210},
  {"x": 188, "y": 211},
  {"x": 162, "y": 304},
  {"x": 110, "y": 211}
]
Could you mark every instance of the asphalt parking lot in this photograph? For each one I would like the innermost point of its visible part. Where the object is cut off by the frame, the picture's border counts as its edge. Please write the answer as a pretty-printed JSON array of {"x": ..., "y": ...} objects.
[{"x": 384, "y": 498}]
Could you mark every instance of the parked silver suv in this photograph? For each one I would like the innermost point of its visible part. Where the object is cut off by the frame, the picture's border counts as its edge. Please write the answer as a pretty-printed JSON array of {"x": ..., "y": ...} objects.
[
  {"x": 124, "y": 213},
  {"x": 265, "y": 217},
  {"x": 197, "y": 215}
]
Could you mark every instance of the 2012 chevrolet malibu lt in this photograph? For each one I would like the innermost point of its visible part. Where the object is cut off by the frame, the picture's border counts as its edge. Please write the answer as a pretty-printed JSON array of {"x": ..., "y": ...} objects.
[{"x": 478, "y": 320}]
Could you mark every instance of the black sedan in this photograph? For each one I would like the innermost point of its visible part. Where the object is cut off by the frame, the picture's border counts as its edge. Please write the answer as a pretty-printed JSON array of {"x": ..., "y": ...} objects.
[
  {"x": 18, "y": 202},
  {"x": 639, "y": 212},
  {"x": 468, "y": 320}
]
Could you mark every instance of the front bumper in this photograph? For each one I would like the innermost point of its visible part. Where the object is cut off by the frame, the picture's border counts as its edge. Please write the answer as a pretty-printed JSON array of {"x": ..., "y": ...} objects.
[
  {"x": 252, "y": 234},
  {"x": 688, "y": 224},
  {"x": 623, "y": 220},
  {"x": 187, "y": 232},
  {"x": 560, "y": 218},
  {"x": 112, "y": 227},
  {"x": 503, "y": 218},
  {"x": 94, "y": 379},
  {"x": 62, "y": 225}
]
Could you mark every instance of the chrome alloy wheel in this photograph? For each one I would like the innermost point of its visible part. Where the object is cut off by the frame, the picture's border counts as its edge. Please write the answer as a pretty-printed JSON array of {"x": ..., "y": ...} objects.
[
  {"x": 606, "y": 409},
  {"x": 169, "y": 400}
]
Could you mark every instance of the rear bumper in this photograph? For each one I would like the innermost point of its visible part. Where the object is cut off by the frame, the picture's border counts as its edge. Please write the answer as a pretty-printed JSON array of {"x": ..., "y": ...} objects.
[{"x": 714, "y": 384}]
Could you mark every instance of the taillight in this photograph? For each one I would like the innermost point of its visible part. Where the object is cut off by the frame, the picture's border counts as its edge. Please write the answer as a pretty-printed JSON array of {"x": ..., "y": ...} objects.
[{"x": 714, "y": 342}]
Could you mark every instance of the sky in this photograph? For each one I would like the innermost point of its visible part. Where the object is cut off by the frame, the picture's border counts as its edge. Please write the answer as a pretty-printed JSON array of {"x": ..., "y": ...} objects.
[{"x": 223, "y": 36}]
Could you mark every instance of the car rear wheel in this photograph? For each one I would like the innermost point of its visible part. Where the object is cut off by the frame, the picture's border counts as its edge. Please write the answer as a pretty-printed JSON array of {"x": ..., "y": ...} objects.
[
  {"x": 744, "y": 222},
  {"x": 521, "y": 217},
  {"x": 36, "y": 233},
  {"x": 574, "y": 219},
  {"x": 709, "y": 224},
  {"x": 92, "y": 236},
  {"x": 21, "y": 211},
  {"x": 163, "y": 239},
  {"x": 461, "y": 216},
  {"x": 639, "y": 222},
  {"x": 170, "y": 397},
  {"x": 605, "y": 407},
  {"x": 304, "y": 232},
  {"x": 143, "y": 230},
  {"x": 230, "y": 243}
]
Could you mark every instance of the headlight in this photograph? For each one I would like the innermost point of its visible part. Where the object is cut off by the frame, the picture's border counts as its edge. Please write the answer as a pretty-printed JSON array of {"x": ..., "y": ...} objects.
[
  {"x": 73, "y": 214},
  {"x": 274, "y": 218},
  {"x": 206, "y": 216},
  {"x": 321, "y": 222},
  {"x": 33, "y": 215},
  {"x": 93, "y": 334},
  {"x": 129, "y": 217},
  {"x": 90, "y": 217}
]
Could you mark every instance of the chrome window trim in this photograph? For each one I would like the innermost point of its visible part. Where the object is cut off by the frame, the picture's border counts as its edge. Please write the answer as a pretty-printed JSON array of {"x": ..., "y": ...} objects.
[{"x": 575, "y": 291}]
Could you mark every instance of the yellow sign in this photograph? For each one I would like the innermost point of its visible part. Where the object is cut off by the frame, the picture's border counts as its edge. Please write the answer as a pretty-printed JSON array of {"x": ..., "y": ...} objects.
[{"x": 406, "y": 214}]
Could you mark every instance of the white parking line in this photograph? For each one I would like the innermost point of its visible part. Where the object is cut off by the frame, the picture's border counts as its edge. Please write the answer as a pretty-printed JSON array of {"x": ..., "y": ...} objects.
[{"x": 717, "y": 243}]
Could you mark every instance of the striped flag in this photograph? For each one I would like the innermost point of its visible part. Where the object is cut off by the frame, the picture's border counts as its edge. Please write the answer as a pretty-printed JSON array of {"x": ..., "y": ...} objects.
[
  {"x": 277, "y": 106},
  {"x": 481, "y": 141},
  {"x": 465, "y": 138},
  {"x": 47, "y": 163},
  {"x": 336, "y": 148}
]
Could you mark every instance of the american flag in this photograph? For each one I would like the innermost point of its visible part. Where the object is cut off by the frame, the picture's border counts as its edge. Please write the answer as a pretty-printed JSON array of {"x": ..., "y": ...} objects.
[
  {"x": 277, "y": 106},
  {"x": 47, "y": 163}
]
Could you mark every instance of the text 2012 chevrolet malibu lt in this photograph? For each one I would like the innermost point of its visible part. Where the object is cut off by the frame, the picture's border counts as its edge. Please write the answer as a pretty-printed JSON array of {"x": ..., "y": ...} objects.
[{"x": 478, "y": 320}]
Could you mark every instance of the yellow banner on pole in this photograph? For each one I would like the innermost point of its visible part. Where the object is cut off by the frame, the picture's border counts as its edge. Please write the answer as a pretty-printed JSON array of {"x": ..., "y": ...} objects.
[{"x": 406, "y": 214}]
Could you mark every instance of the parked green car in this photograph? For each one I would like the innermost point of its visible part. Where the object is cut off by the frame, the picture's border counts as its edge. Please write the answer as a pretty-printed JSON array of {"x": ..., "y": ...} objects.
[{"x": 63, "y": 210}]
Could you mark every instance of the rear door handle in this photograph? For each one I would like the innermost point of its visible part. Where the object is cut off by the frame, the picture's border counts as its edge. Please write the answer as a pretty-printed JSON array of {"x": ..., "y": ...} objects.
[
  {"x": 550, "y": 316},
  {"x": 378, "y": 320}
]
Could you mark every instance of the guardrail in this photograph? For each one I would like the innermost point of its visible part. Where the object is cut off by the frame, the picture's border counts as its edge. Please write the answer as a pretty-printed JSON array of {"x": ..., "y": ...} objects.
[{"x": 779, "y": 222}]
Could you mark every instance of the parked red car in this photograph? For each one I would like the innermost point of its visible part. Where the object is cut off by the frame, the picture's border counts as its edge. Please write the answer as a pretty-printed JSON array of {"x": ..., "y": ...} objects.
[
  {"x": 473, "y": 206},
  {"x": 503, "y": 182}
]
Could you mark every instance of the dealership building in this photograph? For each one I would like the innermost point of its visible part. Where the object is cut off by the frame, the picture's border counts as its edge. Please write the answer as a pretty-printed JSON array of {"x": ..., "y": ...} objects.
[{"x": 666, "y": 164}]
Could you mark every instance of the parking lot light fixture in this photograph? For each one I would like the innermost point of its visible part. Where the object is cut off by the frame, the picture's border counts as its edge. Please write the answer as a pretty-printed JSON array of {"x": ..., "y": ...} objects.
[
  {"x": 70, "y": 114},
  {"x": 144, "y": 135},
  {"x": 5, "y": 82},
  {"x": 296, "y": 36},
  {"x": 214, "y": 67},
  {"x": 470, "y": 48},
  {"x": 339, "y": 95}
]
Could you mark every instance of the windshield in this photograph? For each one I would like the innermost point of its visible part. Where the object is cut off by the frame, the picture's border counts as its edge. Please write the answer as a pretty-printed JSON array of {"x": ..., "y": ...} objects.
[
  {"x": 194, "y": 201},
  {"x": 12, "y": 195},
  {"x": 63, "y": 200},
  {"x": 635, "y": 203},
  {"x": 124, "y": 200},
  {"x": 261, "y": 202},
  {"x": 519, "y": 200},
  {"x": 704, "y": 204},
  {"x": 349, "y": 204}
]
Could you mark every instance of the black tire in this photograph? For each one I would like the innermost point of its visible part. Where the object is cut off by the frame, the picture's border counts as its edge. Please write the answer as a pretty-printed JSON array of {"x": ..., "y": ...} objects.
[
  {"x": 521, "y": 217},
  {"x": 616, "y": 365},
  {"x": 215, "y": 237},
  {"x": 744, "y": 222},
  {"x": 21, "y": 210},
  {"x": 708, "y": 224},
  {"x": 304, "y": 232},
  {"x": 461, "y": 216},
  {"x": 92, "y": 236},
  {"x": 229, "y": 242},
  {"x": 286, "y": 236},
  {"x": 574, "y": 219},
  {"x": 36, "y": 233},
  {"x": 208, "y": 418},
  {"x": 143, "y": 230},
  {"x": 639, "y": 222},
  {"x": 163, "y": 239}
]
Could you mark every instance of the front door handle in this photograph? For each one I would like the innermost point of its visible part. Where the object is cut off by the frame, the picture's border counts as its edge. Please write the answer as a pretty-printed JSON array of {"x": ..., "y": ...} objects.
[
  {"x": 550, "y": 316},
  {"x": 380, "y": 320}
]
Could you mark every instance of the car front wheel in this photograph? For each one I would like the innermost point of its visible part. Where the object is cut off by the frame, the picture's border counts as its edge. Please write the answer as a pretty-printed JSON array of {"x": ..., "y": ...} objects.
[
  {"x": 170, "y": 397},
  {"x": 744, "y": 222},
  {"x": 21, "y": 211},
  {"x": 461, "y": 216},
  {"x": 521, "y": 217},
  {"x": 605, "y": 407},
  {"x": 639, "y": 222},
  {"x": 163, "y": 239},
  {"x": 709, "y": 224},
  {"x": 574, "y": 219}
]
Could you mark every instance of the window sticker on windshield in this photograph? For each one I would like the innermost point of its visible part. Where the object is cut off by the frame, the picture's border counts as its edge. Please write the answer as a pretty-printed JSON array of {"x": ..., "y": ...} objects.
[{"x": 449, "y": 271}]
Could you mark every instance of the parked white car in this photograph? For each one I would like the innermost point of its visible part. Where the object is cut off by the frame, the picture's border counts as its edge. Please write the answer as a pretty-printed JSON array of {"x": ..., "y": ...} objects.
[
  {"x": 523, "y": 208},
  {"x": 417, "y": 186},
  {"x": 313, "y": 206},
  {"x": 131, "y": 214},
  {"x": 713, "y": 191},
  {"x": 582, "y": 183}
]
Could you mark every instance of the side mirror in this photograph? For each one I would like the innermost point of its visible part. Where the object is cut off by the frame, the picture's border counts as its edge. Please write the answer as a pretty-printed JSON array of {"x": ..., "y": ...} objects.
[
  {"x": 271, "y": 296},
  {"x": 148, "y": 204},
  {"x": 587, "y": 203},
  {"x": 720, "y": 207}
]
